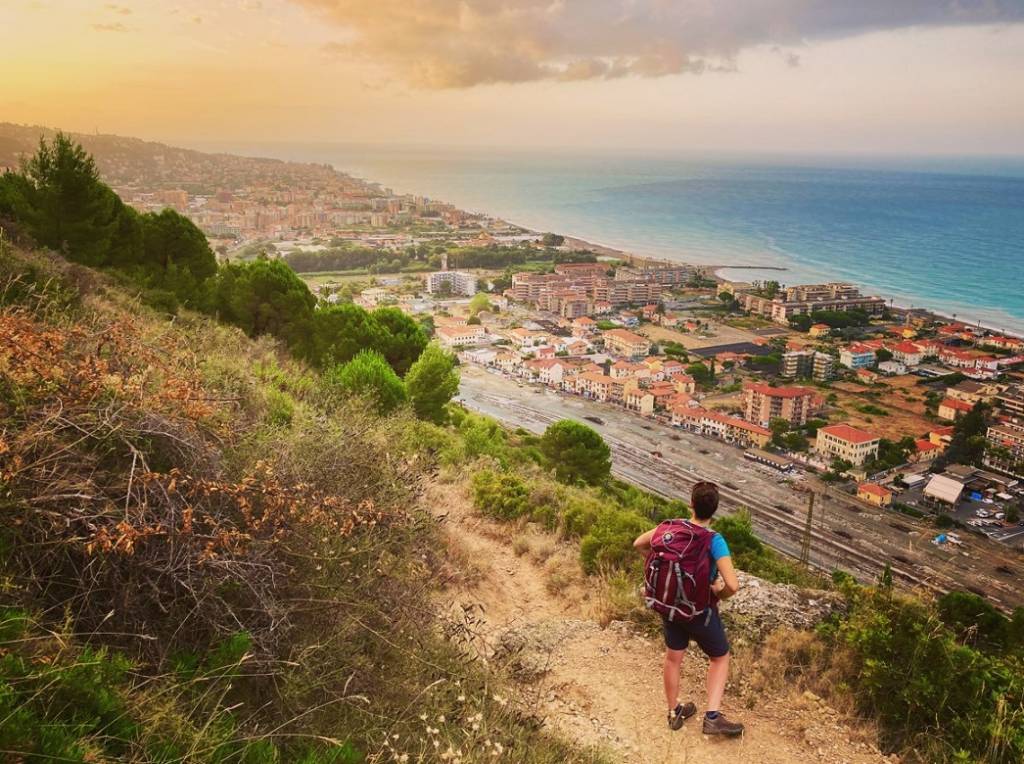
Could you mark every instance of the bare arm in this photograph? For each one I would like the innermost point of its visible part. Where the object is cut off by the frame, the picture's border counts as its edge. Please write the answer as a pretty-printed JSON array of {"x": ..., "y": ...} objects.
[
  {"x": 643, "y": 543},
  {"x": 730, "y": 584}
]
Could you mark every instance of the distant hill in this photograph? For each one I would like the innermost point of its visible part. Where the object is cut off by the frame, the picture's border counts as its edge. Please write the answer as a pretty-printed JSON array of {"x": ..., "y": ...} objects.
[{"x": 129, "y": 162}]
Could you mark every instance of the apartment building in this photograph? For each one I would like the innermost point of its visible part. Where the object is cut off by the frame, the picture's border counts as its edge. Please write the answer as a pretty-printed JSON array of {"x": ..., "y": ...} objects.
[
  {"x": 843, "y": 441},
  {"x": 625, "y": 343},
  {"x": 715, "y": 424},
  {"x": 599, "y": 387},
  {"x": 664, "y": 275},
  {"x": 807, "y": 364},
  {"x": 762, "y": 403},
  {"x": 1011, "y": 402},
  {"x": 809, "y": 298},
  {"x": 458, "y": 282},
  {"x": 1006, "y": 448}
]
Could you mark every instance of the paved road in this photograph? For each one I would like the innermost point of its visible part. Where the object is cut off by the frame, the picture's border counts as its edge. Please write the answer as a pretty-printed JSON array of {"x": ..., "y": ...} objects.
[{"x": 846, "y": 534}]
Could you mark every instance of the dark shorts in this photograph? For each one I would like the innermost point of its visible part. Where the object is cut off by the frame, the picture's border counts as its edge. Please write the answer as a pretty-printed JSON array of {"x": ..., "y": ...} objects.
[{"x": 706, "y": 630}]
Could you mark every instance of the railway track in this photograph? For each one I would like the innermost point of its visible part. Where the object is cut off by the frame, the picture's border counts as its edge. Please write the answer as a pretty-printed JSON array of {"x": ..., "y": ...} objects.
[{"x": 831, "y": 552}]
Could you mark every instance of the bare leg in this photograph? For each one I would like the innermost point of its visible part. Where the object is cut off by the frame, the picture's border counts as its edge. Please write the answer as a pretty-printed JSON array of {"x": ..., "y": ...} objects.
[
  {"x": 673, "y": 660},
  {"x": 718, "y": 674}
]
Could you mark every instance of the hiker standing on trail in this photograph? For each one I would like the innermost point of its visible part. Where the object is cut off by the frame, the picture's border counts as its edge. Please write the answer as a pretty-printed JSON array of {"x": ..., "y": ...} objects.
[{"x": 688, "y": 570}]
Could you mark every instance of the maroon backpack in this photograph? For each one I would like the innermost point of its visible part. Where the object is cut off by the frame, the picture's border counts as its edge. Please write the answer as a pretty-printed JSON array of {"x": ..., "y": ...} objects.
[{"x": 677, "y": 574}]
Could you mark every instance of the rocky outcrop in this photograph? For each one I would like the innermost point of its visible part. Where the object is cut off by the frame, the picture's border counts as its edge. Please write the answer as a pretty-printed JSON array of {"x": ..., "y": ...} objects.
[{"x": 761, "y": 607}]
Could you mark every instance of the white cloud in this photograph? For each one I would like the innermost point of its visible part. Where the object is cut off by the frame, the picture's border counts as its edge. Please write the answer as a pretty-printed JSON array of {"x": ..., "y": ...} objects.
[{"x": 461, "y": 43}]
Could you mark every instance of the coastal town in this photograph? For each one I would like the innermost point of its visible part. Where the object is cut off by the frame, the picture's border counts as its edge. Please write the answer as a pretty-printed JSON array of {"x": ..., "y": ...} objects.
[
  {"x": 817, "y": 379},
  {"x": 879, "y": 402}
]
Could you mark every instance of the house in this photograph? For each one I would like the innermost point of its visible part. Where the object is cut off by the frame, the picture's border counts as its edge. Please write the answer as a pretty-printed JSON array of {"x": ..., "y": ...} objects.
[
  {"x": 906, "y": 353},
  {"x": 1004, "y": 343},
  {"x": 857, "y": 356},
  {"x": 663, "y": 393},
  {"x": 597, "y": 386},
  {"x": 508, "y": 362},
  {"x": 623, "y": 369},
  {"x": 577, "y": 348},
  {"x": 892, "y": 368},
  {"x": 460, "y": 336},
  {"x": 846, "y": 442},
  {"x": 527, "y": 338},
  {"x": 971, "y": 391},
  {"x": 762, "y": 403},
  {"x": 958, "y": 359},
  {"x": 671, "y": 320},
  {"x": 372, "y": 297},
  {"x": 636, "y": 398},
  {"x": 866, "y": 376},
  {"x": 553, "y": 372},
  {"x": 942, "y": 436},
  {"x": 684, "y": 382},
  {"x": 925, "y": 450},
  {"x": 584, "y": 326},
  {"x": 626, "y": 343},
  {"x": 649, "y": 312},
  {"x": 480, "y": 356},
  {"x": 951, "y": 409},
  {"x": 875, "y": 494},
  {"x": 820, "y": 330}
]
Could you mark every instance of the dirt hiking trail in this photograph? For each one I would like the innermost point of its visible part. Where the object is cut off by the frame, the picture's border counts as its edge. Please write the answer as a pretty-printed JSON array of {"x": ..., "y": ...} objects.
[{"x": 602, "y": 686}]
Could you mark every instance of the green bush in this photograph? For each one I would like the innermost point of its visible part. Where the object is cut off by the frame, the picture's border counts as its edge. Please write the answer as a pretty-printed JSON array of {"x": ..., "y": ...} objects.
[
  {"x": 933, "y": 694},
  {"x": 280, "y": 408},
  {"x": 500, "y": 495},
  {"x": 609, "y": 542}
]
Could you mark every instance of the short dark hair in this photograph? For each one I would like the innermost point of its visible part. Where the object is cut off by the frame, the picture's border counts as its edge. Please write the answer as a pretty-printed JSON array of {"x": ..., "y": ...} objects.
[{"x": 704, "y": 499}]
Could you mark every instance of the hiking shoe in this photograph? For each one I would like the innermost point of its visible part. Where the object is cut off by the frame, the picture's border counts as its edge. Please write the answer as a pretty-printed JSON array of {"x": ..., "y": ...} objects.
[
  {"x": 680, "y": 714},
  {"x": 722, "y": 726}
]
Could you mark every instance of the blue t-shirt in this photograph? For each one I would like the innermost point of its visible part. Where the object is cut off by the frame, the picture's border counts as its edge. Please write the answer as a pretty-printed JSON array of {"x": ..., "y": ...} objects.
[{"x": 719, "y": 549}]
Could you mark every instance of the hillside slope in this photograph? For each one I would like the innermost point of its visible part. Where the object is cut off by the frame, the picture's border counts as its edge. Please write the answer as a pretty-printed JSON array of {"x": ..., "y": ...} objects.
[{"x": 603, "y": 684}]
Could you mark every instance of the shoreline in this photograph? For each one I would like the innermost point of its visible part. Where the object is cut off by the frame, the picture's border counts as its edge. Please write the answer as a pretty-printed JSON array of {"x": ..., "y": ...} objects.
[{"x": 711, "y": 270}]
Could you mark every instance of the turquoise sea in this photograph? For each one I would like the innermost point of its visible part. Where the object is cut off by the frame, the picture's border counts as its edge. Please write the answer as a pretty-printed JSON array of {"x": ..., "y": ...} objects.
[{"x": 944, "y": 233}]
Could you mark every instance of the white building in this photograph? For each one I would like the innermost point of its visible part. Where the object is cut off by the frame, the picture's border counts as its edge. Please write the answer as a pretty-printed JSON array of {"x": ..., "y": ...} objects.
[
  {"x": 892, "y": 368},
  {"x": 459, "y": 282},
  {"x": 461, "y": 336}
]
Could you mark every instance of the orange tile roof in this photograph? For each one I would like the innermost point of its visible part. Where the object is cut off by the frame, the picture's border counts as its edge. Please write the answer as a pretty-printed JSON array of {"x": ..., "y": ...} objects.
[
  {"x": 874, "y": 488},
  {"x": 849, "y": 433}
]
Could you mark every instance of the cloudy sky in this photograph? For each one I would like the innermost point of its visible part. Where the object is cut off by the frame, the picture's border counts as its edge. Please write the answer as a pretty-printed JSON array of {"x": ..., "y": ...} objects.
[{"x": 920, "y": 76}]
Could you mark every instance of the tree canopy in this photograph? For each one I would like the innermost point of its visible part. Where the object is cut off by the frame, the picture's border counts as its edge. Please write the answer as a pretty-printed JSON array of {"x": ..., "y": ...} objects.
[
  {"x": 264, "y": 297},
  {"x": 402, "y": 340},
  {"x": 369, "y": 375},
  {"x": 577, "y": 453},
  {"x": 431, "y": 382}
]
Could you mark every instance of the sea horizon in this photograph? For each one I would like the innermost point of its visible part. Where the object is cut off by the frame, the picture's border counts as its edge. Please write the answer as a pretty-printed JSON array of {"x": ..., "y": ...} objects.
[{"x": 945, "y": 233}]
